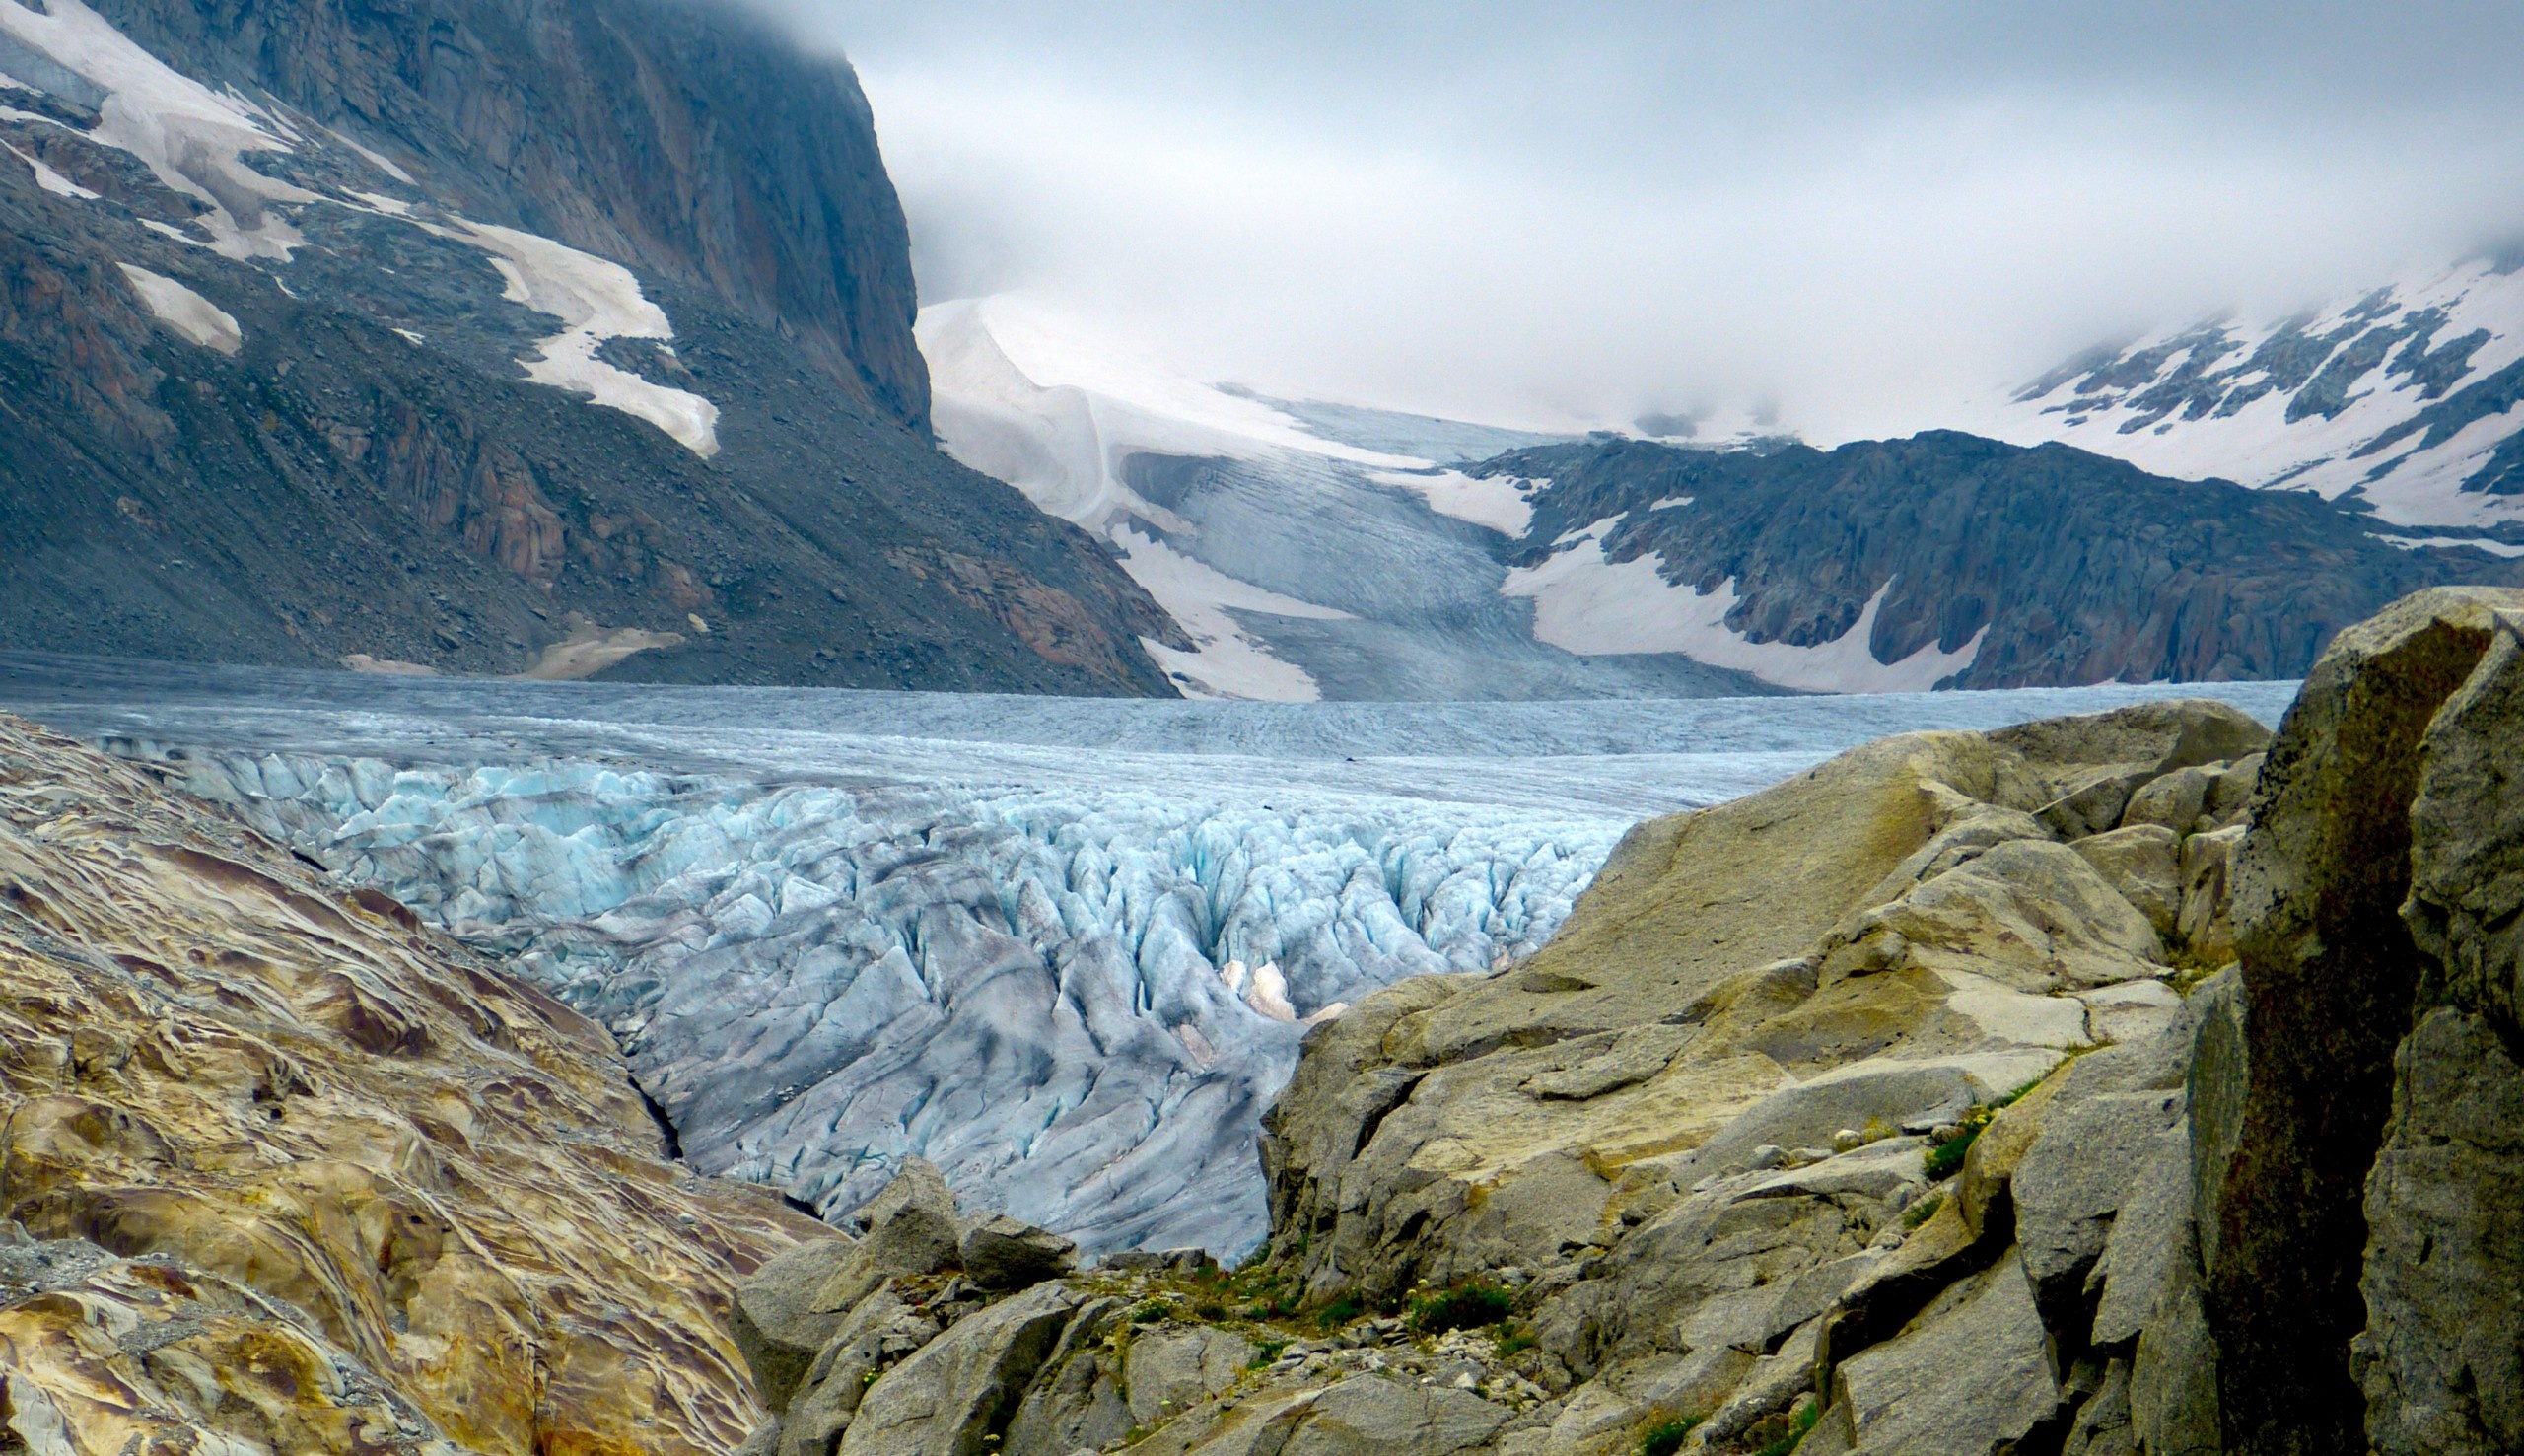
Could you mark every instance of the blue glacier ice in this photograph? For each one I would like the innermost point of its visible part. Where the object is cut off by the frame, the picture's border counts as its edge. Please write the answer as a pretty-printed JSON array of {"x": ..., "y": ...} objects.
[{"x": 1064, "y": 949}]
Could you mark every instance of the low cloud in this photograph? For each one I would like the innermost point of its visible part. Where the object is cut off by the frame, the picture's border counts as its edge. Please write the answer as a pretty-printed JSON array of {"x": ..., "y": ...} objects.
[{"x": 1568, "y": 215}]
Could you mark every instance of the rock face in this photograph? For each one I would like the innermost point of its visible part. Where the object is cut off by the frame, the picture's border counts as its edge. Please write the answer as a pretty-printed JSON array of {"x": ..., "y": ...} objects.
[
  {"x": 2441, "y": 1358},
  {"x": 284, "y": 1171},
  {"x": 502, "y": 337},
  {"x": 2329, "y": 976},
  {"x": 1889, "y": 938},
  {"x": 2008, "y": 565},
  {"x": 682, "y": 144}
]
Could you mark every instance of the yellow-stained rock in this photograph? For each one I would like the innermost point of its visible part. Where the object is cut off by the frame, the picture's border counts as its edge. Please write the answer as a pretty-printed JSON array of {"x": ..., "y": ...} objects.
[{"x": 315, "y": 1179}]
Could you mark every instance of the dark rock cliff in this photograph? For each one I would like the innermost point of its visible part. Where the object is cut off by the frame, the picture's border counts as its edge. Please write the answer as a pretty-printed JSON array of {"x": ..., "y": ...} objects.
[
  {"x": 565, "y": 338},
  {"x": 686, "y": 141},
  {"x": 2080, "y": 568}
]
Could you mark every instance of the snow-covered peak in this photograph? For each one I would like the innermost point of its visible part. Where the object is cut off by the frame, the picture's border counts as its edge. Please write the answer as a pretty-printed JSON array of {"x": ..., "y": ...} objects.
[{"x": 2401, "y": 397}]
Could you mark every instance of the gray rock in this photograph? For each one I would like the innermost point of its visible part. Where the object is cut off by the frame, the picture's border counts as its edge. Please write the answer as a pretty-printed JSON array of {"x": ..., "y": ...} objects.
[
  {"x": 2231, "y": 795},
  {"x": 1971, "y": 1374},
  {"x": 2214, "y": 1087},
  {"x": 777, "y": 1326},
  {"x": 2330, "y": 975},
  {"x": 2174, "y": 802},
  {"x": 1373, "y": 1415},
  {"x": 2132, "y": 746},
  {"x": 2151, "y": 1229},
  {"x": 1001, "y": 1253},
  {"x": 1173, "y": 1368},
  {"x": 2441, "y": 1359},
  {"x": 911, "y": 1231},
  {"x": 2069, "y": 1186},
  {"x": 878, "y": 1332},
  {"x": 1811, "y": 1112},
  {"x": 2144, "y": 863},
  {"x": 2102, "y": 1423},
  {"x": 2205, "y": 921},
  {"x": 2030, "y": 913},
  {"x": 964, "y": 1385},
  {"x": 2173, "y": 1375},
  {"x": 1874, "y": 1171},
  {"x": 1077, "y": 1400}
]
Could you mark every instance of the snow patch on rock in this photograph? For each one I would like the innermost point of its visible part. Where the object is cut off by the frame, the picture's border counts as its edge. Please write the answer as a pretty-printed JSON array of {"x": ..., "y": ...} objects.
[
  {"x": 195, "y": 139},
  {"x": 2151, "y": 407},
  {"x": 1590, "y": 605},
  {"x": 185, "y": 312},
  {"x": 595, "y": 299},
  {"x": 1501, "y": 503},
  {"x": 46, "y": 178}
]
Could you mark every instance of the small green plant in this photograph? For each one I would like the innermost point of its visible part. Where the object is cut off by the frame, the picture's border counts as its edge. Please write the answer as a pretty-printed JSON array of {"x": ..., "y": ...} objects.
[
  {"x": 1663, "y": 1434},
  {"x": 1266, "y": 1352},
  {"x": 1463, "y": 1308},
  {"x": 1946, "y": 1160},
  {"x": 1150, "y": 1312},
  {"x": 1210, "y": 1310},
  {"x": 1922, "y": 1212},
  {"x": 1514, "y": 1341},
  {"x": 1341, "y": 1311},
  {"x": 1797, "y": 1429}
]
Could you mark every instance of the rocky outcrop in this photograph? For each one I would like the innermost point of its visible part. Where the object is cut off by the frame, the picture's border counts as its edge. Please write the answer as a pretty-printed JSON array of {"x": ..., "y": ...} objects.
[
  {"x": 2329, "y": 976},
  {"x": 281, "y": 1170},
  {"x": 1889, "y": 938},
  {"x": 2062, "y": 566},
  {"x": 2441, "y": 1361}
]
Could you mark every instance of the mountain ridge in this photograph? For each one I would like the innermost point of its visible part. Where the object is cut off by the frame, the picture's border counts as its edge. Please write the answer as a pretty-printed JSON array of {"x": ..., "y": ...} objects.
[{"x": 276, "y": 395}]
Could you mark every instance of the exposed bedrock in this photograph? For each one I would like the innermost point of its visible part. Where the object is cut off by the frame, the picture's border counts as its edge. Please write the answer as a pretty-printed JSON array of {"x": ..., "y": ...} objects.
[
  {"x": 2329, "y": 976},
  {"x": 281, "y": 1170}
]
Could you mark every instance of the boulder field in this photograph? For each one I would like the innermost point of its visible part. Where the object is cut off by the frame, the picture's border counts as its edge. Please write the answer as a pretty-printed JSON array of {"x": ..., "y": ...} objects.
[{"x": 2138, "y": 1082}]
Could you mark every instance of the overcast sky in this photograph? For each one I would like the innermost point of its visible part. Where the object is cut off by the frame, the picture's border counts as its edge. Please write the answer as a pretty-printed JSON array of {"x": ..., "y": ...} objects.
[{"x": 1576, "y": 212}]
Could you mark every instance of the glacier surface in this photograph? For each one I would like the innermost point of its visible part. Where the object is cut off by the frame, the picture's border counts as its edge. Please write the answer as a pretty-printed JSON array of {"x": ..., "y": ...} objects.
[{"x": 1064, "y": 948}]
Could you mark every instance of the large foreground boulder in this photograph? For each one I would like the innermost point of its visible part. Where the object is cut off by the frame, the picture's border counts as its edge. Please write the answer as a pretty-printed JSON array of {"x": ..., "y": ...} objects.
[
  {"x": 2330, "y": 973},
  {"x": 2441, "y": 1361}
]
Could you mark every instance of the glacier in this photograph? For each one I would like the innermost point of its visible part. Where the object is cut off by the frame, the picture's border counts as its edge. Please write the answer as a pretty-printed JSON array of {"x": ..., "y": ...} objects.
[{"x": 1066, "y": 949}]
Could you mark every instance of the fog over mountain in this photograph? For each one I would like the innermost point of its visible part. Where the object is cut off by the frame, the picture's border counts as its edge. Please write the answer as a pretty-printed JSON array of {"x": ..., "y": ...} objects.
[{"x": 1551, "y": 218}]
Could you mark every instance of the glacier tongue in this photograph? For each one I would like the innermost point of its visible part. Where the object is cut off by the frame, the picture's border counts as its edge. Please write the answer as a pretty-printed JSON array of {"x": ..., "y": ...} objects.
[{"x": 1023, "y": 986}]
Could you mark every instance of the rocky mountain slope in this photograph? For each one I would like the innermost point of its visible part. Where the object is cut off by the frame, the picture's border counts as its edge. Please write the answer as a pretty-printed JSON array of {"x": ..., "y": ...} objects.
[
  {"x": 282, "y": 1171},
  {"x": 2398, "y": 397},
  {"x": 1309, "y": 550},
  {"x": 518, "y": 336},
  {"x": 1948, "y": 559},
  {"x": 1318, "y": 550},
  {"x": 2142, "y": 1082}
]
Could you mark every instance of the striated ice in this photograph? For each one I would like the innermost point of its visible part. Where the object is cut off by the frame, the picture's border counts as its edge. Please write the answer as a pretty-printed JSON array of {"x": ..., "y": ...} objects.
[{"x": 1026, "y": 988}]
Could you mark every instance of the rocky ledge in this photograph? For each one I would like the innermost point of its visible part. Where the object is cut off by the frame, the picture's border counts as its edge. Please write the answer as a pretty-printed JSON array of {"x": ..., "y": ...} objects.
[
  {"x": 2139, "y": 1082},
  {"x": 281, "y": 1171}
]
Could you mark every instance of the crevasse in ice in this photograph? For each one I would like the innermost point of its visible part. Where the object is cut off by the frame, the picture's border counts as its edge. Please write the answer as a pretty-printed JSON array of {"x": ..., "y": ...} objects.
[{"x": 1076, "y": 1003}]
